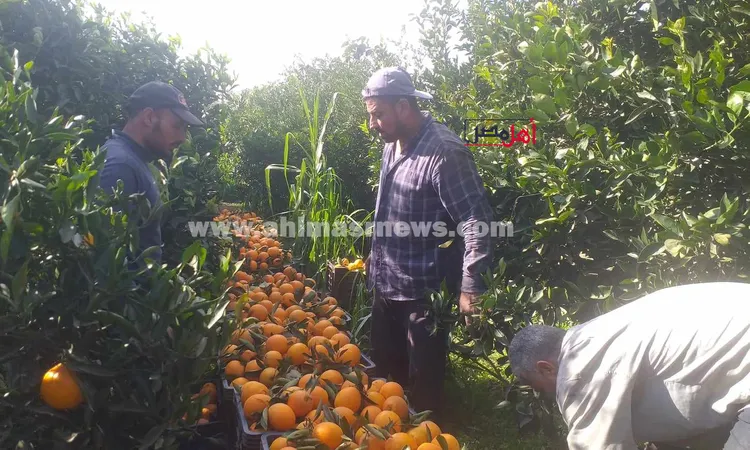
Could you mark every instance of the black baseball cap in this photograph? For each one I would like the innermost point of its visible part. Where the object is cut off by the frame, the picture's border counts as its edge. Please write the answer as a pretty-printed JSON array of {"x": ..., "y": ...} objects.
[
  {"x": 392, "y": 81},
  {"x": 157, "y": 94}
]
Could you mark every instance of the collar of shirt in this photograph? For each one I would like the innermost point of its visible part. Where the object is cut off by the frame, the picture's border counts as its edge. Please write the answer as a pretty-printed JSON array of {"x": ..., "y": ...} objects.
[{"x": 144, "y": 154}]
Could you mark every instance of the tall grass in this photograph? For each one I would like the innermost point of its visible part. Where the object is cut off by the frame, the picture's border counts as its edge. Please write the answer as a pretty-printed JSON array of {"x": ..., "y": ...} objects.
[{"x": 315, "y": 196}]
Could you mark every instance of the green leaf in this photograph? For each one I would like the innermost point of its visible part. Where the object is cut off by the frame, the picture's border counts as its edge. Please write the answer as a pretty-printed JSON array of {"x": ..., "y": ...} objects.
[
  {"x": 646, "y": 95},
  {"x": 673, "y": 246},
  {"x": 735, "y": 102},
  {"x": 667, "y": 41},
  {"x": 538, "y": 85},
  {"x": 722, "y": 238},
  {"x": 667, "y": 223},
  {"x": 638, "y": 112},
  {"x": 545, "y": 103},
  {"x": 614, "y": 72},
  {"x": 19, "y": 282},
  {"x": 571, "y": 126}
]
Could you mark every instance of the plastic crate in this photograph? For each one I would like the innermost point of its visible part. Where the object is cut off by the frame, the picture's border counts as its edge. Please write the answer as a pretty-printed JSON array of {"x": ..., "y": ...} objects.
[
  {"x": 368, "y": 365},
  {"x": 267, "y": 439}
]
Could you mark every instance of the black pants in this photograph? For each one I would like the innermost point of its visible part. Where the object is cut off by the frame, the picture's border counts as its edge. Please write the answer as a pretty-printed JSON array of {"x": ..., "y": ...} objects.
[{"x": 405, "y": 349}]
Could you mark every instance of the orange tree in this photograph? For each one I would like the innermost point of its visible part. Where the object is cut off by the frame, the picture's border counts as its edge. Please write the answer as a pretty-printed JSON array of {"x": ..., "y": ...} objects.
[
  {"x": 136, "y": 344},
  {"x": 637, "y": 180}
]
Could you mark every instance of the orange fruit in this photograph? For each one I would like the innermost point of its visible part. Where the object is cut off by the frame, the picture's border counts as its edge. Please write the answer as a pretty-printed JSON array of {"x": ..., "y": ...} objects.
[
  {"x": 297, "y": 316},
  {"x": 252, "y": 367},
  {"x": 398, "y": 441},
  {"x": 304, "y": 380},
  {"x": 330, "y": 332},
  {"x": 259, "y": 311},
  {"x": 281, "y": 417},
  {"x": 247, "y": 355},
  {"x": 450, "y": 440},
  {"x": 256, "y": 404},
  {"x": 377, "y": 384},
  {"x": 328, "y": 433},
  {"x": 59, "y": 389},
  {"x": 297, "y": 352},
  {"x": 397, "y": 405},
  {"x": 277, "y": 343},
  {"x": 239, "y": 381},
  {"x": 234, "y": 369},
  {"x": 349, "y": 354},
  {"x": 279, "y": 443},
  {"x": 345, "y": 414},
  {"x": 332, "y": 377},
  {"x": 339, "y": 340},
  {"x": 350, "y": 398},
  {"x": 267, "y": 304},
  {"x": 433, "y": 427},
  {"x": 273, "y": 358},
  {"x": 377, "y": 398},
  {"x": 252, "y": 388},
  {"x": 301, "y": 403},
  {"x": 371, "y": 412},
  {"x": 319, "y": 395},
  {"x": 419, "y": 434},
  {"x": 391, "y": 389},
  {"x": 268, "y": 376},
  {"x": 429, "y": 446},
  {"x": 321, "y": 326},
  {"x": 386, "y": 418},
  {"x": 272, "y": 329}
]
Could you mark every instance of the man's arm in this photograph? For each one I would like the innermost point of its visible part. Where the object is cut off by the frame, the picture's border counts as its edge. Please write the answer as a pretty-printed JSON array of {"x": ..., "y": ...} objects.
[
  {"x": 462, "y": 193},
  {"x": 598, "y": 412}
]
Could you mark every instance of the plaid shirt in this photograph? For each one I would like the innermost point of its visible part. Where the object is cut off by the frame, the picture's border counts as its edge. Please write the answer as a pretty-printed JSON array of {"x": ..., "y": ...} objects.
[{"x": 434, "y": 180}]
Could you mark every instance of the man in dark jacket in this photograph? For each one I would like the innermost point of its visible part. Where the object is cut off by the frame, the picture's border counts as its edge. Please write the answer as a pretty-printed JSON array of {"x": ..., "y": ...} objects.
[
  {"x": 427, "y": 178},
  {"x": 158, "y": 118}
]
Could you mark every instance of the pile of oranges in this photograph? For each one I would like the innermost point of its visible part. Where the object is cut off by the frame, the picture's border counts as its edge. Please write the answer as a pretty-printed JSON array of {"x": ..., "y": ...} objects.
[{"x": 296, "y": 370}]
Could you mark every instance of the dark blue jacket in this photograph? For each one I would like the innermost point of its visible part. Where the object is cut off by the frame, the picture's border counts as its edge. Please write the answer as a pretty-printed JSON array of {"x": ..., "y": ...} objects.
[{"x": 128, "y": 161}]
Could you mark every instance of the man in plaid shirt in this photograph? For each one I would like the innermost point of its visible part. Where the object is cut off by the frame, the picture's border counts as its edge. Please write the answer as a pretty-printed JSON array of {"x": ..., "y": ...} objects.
[{"x": 429, "y": 193}]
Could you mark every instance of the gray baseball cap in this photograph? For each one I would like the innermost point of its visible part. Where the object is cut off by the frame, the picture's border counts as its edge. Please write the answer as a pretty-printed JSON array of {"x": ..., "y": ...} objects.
[{"x": 392, "y": 81}]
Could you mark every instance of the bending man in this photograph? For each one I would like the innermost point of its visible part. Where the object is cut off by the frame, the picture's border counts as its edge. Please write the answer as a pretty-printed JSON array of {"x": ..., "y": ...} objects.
[{"x": 672, "y": 367}]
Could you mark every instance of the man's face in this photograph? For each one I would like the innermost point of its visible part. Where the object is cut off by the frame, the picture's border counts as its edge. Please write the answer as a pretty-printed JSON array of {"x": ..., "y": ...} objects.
[
  {"x": 386, "y": 118},
  {"x": 166, "y": 131}
]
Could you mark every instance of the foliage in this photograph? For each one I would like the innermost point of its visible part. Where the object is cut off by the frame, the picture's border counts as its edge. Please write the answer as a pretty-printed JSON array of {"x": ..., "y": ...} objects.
[
  {"x": 316, "y": 206},
  {"x": 636, "y": 182},
  {"x": 137, "y": 341},
  {"x": 89, "y": 64}
]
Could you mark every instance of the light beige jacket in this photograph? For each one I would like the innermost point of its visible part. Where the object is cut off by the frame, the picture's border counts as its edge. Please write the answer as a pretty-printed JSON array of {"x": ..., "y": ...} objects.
[{"x": 666, "y": 367}]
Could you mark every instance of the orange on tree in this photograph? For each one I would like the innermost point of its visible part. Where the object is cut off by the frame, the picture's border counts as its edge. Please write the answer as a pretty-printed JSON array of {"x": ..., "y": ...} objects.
[
  {"x": 59, "y": 390},
  {"x": 328, "y": 433}
]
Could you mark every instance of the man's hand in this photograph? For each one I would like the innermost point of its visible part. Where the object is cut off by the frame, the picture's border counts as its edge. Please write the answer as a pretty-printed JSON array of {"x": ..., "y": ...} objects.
[{"x": 467, "y": 305}]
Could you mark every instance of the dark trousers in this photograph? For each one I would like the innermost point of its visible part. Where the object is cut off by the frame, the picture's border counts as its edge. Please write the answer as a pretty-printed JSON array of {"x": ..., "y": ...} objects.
[{"x": 405, "y": 349}]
